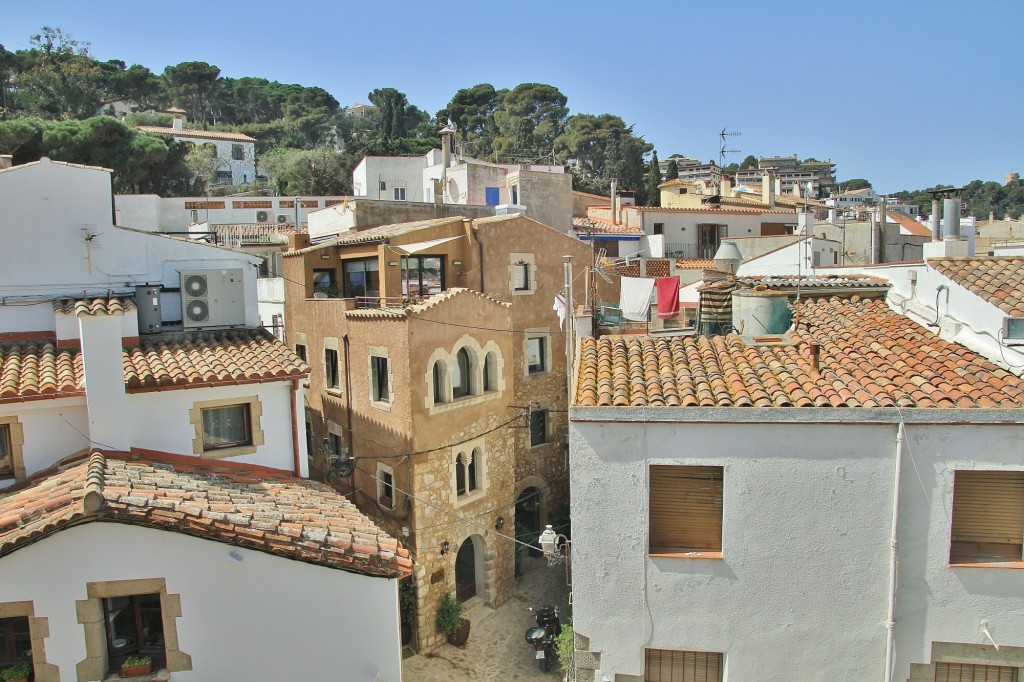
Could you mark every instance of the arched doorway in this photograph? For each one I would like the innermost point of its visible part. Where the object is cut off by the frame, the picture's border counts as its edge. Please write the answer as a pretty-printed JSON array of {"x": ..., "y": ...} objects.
[
  {"x": 528, "y": 516},
  {"x": 465, "y": 571}
]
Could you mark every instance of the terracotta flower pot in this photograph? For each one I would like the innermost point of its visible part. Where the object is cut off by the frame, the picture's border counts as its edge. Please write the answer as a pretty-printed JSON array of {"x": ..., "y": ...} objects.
[
  {"x": 136, "y": 670},
  {"x": 460, "y": 635}
]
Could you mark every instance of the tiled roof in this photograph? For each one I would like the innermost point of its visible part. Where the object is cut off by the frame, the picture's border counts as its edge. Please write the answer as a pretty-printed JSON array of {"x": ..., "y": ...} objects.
[
  {"x": 600, "y": 226},
  {"x": 707, "y": 209},
  {"x": 113, "y": 305},
  {"x": 219, "y": 357},
  {"x": 812, "y": 283},
  {"x": 1000, "y": 281},
  {"x": 695, "y": 264},
  {"x": 381, "y": 233},
  {"x": 39, "y": 369},
  {"x": 245, "y": 505},
  {"x": 203, "y": 134},
  {"x": 870, "y": 356},
  {"x": 914, "y": 227}
]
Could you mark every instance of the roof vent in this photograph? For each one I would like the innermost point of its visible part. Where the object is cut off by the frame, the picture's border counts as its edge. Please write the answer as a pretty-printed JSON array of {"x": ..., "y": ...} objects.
[{"x": 728, "y": 258}]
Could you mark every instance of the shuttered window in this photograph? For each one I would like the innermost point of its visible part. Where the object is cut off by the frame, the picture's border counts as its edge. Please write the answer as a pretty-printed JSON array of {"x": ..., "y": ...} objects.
[
  {"x": 964, "y": 672},
  {"x": 682, "y": 666},
  {"x": 988, "y": 516},
  {"x": 685, "y": 509}
]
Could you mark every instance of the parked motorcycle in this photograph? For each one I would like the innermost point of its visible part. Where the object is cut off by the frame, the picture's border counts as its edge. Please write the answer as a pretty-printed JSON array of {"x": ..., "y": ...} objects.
[{"x": 542, "y": 637}]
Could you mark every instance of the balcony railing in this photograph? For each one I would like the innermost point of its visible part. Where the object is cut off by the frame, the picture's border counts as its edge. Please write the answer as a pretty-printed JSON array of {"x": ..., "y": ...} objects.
[
  {"x": 387, "y": 302},
  {"x": 675, "y": 250},
  {"x": 249, "y": 234}
]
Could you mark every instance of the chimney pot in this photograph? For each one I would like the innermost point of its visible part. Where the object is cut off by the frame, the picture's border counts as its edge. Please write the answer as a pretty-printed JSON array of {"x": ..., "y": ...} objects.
[{"x": 815, "y": 348}]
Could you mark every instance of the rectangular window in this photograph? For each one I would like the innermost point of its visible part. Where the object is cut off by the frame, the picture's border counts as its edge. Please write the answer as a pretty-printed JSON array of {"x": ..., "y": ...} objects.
[
  {"x": 325, "y": 283},
  {"x": 422, "y": 275},
  {"x": 399, "y": 194},
  {"x": 226, "y": 427},
  {"x": 331, "y": 378},
  {"x": 514, "y": 191},
  {"x": 659, "y": 228},
  {"x": 521, "y": 276},
  {"x": 536, "y": 359},
  {"x": 988, "y": 517},
  {"x": 361, "y": 278},
  {"x": 134, "y": 627},
  {"x": 379, "y": 372},
  {"x": 237, "y": 153},
  {"x": 337, "y": 445},
  {"x": 685, "y": 509},
  {"x": 15, "y": 641},
  {"x": 385, "y": 486},
  {"x": 300, "y": 350},
  {"x": 310, "y": 449},
  {"x": 6, "y": 460},
  {"x": 538, "y": 427},
  {"x": 662, "y": 665}
]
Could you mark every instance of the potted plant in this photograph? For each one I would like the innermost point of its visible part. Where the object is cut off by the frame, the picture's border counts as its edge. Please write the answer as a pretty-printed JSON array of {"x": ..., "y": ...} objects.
[
  {"x": 407, "y": 608},
  {"x": 450, "y": 622},
  {"x": 18, "y": 672},
  {"x": 134, "y": 666}
]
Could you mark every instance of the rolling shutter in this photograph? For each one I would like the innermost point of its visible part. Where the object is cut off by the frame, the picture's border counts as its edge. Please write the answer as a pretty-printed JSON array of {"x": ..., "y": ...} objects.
[
  {"x": 988, "y": 510},
  {"x": 964, "y": 672},
  {"x": 685, "y": 508},
  {"x": 683, "y": 666}
]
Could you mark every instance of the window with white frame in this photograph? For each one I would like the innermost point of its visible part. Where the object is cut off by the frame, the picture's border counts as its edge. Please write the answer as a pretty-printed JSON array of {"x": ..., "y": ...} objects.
[
  {"x": 380, "y": 378},
  {"x": 399, "y": 193},
  {"x": 385, "y": 486}
]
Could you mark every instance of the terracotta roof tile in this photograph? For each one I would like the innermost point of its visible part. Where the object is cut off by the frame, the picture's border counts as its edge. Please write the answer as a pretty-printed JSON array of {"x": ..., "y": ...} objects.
[
  {"x": 39, "y": 369},
  {"x": 202, "y": 134},
  {"x": 695, "y": 264},
  {"x": 1000, "y": 281},
  {"x": 870, "y": 357},
  {"x": 601, "y": 226},
  {"x": 113, "y": 305},
  {"x": 251, "y": 506}
]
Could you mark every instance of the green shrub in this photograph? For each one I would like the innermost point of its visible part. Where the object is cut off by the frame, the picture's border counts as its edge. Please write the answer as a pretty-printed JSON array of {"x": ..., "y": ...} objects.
[
  {"x": 565, "y": 646},
  {"x": 449, "y": 614},
  {"x": 17, "y": 671}
]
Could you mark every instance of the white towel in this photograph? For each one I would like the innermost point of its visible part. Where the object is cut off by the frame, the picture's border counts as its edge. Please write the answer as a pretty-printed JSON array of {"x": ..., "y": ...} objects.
[
  {"x": 635, "y": 297},
  {"x": 559, "y": 307}
]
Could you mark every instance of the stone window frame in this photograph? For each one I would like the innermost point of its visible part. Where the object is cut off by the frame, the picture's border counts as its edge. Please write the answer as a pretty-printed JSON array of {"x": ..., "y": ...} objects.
[
  {"x": 537, "y": 333},
  {"x": 380, "y": 352},
  {"x": 518, "y": 259},
  {"x": 383, "y": 469},
  {"x": 93, "y": 668},
  {"x": 195, "y": 416},
  {"x": 16, "y": 442},
  {"x": 331, "y": 343},
  {"x": 470, "y": 449},
  {"x": 478, "y": 356},
  {"x": 38, "y": 630},
  {"x": 547, "y": 426}
]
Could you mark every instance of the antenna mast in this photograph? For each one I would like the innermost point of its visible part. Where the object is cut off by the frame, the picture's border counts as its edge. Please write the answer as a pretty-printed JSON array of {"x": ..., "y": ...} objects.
[{"x": 722, "y": 150}]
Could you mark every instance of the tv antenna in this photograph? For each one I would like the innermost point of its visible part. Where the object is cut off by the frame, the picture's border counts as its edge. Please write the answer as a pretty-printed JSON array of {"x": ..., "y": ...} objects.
[{"x": 722, "y": 151}]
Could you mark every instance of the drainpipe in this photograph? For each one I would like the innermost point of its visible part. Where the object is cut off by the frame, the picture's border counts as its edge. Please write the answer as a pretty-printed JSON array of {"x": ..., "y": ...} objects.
[
  {"x": 890, "y": 620},
  {"x": 296, "y": 458},
  {"x": 480, "y": 245},
  {"x": 348, "y": 397}
]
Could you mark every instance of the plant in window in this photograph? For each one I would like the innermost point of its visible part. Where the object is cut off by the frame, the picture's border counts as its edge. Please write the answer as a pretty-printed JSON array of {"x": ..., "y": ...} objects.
[
  {"x": 17, "y": 672},
  {"x": 134, "y": 666},
  {"x": 328, "y": 290}
]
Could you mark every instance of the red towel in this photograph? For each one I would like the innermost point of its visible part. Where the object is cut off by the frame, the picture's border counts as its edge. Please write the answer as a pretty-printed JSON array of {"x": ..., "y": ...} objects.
[{"x": 668, "y": 297}]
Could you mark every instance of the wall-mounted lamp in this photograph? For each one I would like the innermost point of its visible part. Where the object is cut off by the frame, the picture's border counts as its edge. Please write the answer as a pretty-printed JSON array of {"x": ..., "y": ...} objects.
[
  {"x": 445, "y": 547},
  {"x": 325, "y": 256},
  {"x": 456, "y": 262},
  {"x": 500, "y": 523},
  {"x": 392, "y": 263}
]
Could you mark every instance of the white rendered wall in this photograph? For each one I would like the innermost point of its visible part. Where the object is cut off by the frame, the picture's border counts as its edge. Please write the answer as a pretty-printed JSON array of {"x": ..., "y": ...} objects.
[
  {"x": 103, "y": 365},
  {"x": 267, "y": 618},
  {"x": 159, "y": 420},
  {"x": 393, "y": 171},
  {"x": 803, "y": 585},
  {"x": 169, "y": 214},
  {"x": 48, "y": 437}
]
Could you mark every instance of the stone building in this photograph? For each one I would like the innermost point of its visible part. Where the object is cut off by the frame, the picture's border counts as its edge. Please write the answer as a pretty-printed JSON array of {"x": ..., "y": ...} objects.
[{"x": 438, "y": 389}]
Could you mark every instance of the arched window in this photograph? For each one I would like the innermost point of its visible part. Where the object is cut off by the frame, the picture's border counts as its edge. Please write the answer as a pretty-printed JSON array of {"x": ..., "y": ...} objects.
[
  {"x": 490, "y": 373},
  {"x": 461, "y": 380},
  {"x": 438, "y": 372},
  {"x": 460, "y": 474},
  {"x": 473, "y": 463}
]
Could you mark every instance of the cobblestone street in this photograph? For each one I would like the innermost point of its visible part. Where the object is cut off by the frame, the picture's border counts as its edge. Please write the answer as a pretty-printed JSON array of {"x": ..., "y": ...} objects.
[{"x": 496, "y": 649}]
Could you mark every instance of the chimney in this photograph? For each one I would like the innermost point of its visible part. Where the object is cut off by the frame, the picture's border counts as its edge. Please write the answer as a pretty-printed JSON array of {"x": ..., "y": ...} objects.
[
  {"x": 446, "y": 147},
  {"x": 615, "y": 201},
  {"x": 815, "y": 349},
  {"x": 177, "y": 123},
  {"x": 933, "y": 219},
  {"x": 768, "y": 188},
  {"x": 951, "y": 219},
  {"x": 104, "y": 380},
  {"x": 726, "y": 190},
  {"x": 6, "y": 161}
]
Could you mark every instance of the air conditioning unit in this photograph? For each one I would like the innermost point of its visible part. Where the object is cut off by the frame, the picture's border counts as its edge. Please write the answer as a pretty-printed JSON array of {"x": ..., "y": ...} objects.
[
  {"x": 263, "y": 216},
  {"x": 1013, "y": 328},
  {"x": 212, "y": 298},
  {"x": 282, "y": 218}
]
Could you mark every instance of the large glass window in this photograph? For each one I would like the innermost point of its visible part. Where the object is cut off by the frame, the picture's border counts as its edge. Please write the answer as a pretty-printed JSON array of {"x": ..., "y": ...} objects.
[
  {"x": 536, "y": 357},
  {"x": 226, "y": 427},
  {"x": 15, "y": 641},
  {"x": 361, "y": 277},
  {"x": 135, "y": 627},
  {"x": 422, "y": 275},
  {"x": 325, "y": 282}
]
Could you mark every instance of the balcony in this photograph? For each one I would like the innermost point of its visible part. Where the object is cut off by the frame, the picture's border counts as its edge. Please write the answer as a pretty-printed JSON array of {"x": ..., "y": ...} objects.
[
  {"x": 252, "y": 234},
  {"x": 676, "y": 250}
]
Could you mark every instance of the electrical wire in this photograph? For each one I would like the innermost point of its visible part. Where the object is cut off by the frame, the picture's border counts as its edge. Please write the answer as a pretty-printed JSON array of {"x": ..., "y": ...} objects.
[{"x": 91, "y": 441}]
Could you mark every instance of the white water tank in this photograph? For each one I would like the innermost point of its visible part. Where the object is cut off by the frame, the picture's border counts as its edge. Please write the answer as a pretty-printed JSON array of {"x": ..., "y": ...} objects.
[{"x": 760, "y": 313}]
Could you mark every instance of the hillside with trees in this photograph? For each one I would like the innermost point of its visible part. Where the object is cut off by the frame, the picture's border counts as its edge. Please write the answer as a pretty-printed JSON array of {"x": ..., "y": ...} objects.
[{"x": 57, "y": 100}]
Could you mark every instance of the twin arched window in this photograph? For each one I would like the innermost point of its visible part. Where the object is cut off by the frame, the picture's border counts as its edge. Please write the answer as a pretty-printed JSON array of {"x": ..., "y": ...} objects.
[
  {"x": 466, "y": 377},
  {"x": 466, "y": 480}
]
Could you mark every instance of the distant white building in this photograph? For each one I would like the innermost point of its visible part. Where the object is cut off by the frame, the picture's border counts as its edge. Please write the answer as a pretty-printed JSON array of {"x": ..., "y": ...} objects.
[{"x": 235, "y": 151}]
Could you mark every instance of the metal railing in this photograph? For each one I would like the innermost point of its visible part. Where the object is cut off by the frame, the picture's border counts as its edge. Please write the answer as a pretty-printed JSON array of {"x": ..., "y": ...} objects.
[
  {"x": 387, "y": 302},
  {"x": 676, "y": 250},
  {"x": 252, "y": 234}
]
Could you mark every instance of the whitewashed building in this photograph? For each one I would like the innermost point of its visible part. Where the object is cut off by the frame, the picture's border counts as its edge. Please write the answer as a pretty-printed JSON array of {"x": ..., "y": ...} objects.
[
  {"x": 235, "y": 151},
  {"x": 138, "y": 392}
]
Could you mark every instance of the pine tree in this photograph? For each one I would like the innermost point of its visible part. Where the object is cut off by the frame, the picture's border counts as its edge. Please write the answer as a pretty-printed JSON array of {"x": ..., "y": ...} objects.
[
  {"x": 651, "y": 182},
  {"x": 672, "y": 172}
]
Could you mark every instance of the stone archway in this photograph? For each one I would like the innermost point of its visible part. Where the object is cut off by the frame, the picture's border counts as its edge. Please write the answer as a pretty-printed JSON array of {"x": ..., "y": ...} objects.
[{"x": 466, "y": 570}]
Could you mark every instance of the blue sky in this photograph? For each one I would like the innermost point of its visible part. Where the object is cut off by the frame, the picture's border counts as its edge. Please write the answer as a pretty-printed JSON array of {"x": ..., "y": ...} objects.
[{"x": 904, "y": 93}]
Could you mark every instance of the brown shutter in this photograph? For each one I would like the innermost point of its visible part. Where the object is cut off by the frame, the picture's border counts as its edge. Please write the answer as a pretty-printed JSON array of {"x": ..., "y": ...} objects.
[
  {"x": 964, "y": 672},
  {"x": 988, "y": 509},
  {"x": 685, "y": 508},
  {"x": 683, "y": 666}
]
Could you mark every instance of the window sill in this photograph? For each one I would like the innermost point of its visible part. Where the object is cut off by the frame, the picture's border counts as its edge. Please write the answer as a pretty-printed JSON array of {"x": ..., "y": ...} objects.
[
  {"x": 990, "y": 563},
  {"x": 222, "y": 453},
  {"x": 686, "y": 554},
  {"x": 161, "y": 675},
  {"x": 468, "y": 498},
  {"x": 380, "y": 405},
  {"x": 336, "y": 392},
  {"x": 464, "y": 401}
]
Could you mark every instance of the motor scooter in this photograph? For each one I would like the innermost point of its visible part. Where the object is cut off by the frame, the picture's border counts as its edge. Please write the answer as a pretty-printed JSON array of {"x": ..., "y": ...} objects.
[{"x": 542, "y": 637}]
